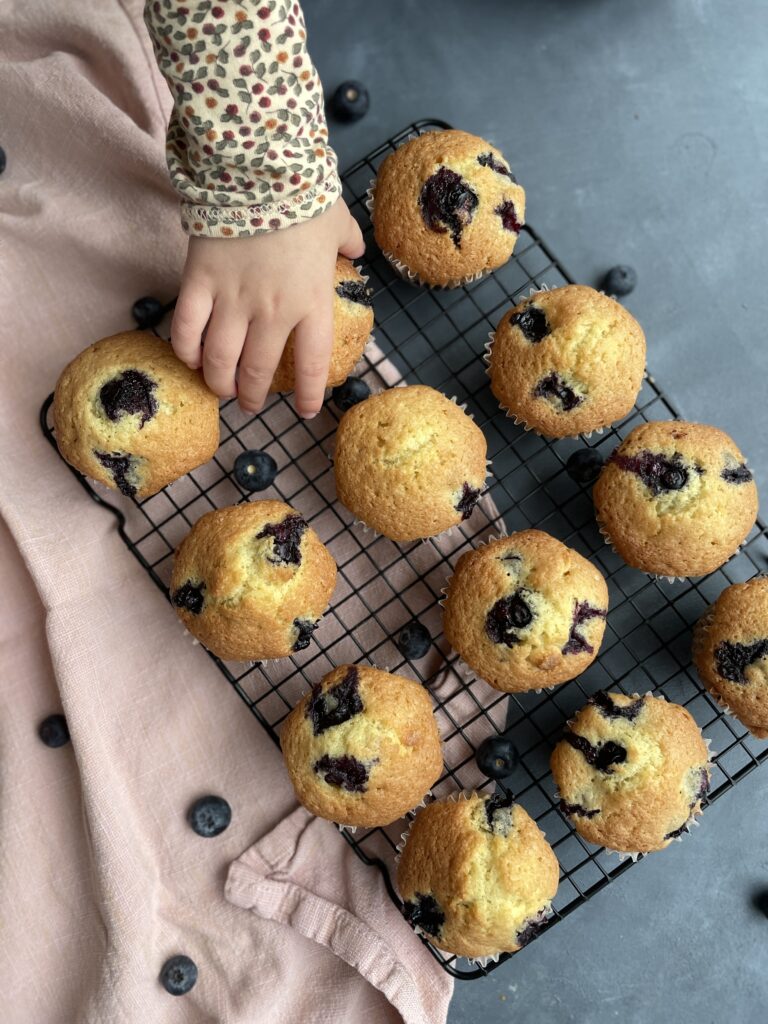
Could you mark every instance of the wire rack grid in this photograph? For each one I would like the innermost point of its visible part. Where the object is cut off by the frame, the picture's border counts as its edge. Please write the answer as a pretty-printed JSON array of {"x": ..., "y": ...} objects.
[{"x": 437, "y": 337}]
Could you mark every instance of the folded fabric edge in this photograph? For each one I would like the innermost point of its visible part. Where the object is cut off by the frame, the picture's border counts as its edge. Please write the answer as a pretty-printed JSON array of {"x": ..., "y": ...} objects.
[{"x": 251, "y": 885}]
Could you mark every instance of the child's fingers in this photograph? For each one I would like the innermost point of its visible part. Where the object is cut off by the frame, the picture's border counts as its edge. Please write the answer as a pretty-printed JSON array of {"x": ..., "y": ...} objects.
[
  {"x": 193, "y": 308},
  {"x": 352, "y": 245},
  {"x": 223, "y": 345},
  {"x": 264, "y": 345},
  {"x": 313, "y": 342}
]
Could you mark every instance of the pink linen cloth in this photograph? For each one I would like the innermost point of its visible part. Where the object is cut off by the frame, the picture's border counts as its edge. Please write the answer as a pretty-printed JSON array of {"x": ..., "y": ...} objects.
[{"x": 102, "y": 879}]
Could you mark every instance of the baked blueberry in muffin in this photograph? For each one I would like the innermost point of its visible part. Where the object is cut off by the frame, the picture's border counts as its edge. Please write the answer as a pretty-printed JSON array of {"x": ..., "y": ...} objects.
[
  {"x": 567, "y": 361},
  {"x": 352, "y": 326},
  {"x": 446, "y": 207},
  {"x": 631, "y": 771},
  {"x": 476, "y": 875},
  {"x": 525, "y": 611},
  {"x": 676, "y": 498},
  {"x": 251, "y": 582},
  {"x": 409, "y": 462},
  {"x": 129, "y": 414},
  {"x": 362, "y": 747},
  {"x": 730, "y": 651}
]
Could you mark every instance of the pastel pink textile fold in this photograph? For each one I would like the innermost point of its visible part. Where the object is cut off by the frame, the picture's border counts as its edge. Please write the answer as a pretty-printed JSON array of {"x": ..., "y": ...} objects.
[{"x": 101, "y": 879}]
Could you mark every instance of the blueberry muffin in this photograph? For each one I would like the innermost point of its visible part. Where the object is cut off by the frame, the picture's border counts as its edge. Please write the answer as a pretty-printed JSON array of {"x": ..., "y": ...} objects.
[
  {"x": 362, "y": 747},
  {"x": 675, "y": 498},
  {"x": 477, "y": 875},
  {"x": 567, "y": 361},
  {"x": 631, "y": 772},
  {"x": 525, "y": 611},
  {"x": 352, "y": 326},
  {"x": 131, "y": 415},
  {"x": 251, "y": 582},
  {"x": 409, "y": 463},
  {"x": 730, "y": 652},
  {"x": 447, "y": 208}
]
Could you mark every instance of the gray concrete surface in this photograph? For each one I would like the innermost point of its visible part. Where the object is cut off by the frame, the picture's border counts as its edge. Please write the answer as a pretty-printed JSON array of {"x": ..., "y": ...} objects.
[{"x": 640, "y": 131}]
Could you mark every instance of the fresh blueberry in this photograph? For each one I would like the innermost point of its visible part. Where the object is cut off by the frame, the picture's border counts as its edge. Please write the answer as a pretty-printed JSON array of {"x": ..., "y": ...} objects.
[
  {"x": 255, "y": 471},
  {"x": 584, "y": 465},
  {"x": 3, "y": 160},
  {"x": 53, "y": 731},
  {"x": 352, "y": 391},
  {"x": 496, "y": 757},
  {"x": 760, "y": 901},
  {"x": 209, "y": 816},
  {"x": 413, "y": 641},
  {"x": 620, "y": 280},
  {"x": 178, "y": 975},
  {"x": 147, "y": 312},
  {"x": 350, "y": 101}
]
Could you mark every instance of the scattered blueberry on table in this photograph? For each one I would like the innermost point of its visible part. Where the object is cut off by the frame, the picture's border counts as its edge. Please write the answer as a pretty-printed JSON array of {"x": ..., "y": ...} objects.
[
  {"x": 413, "y": 641},
  {"x": 53, "y": 731},
  {"x": 350, "y": 101},
  {"x": 255, "y": 471},
  {"x": 147, "y": 312},
  {"x": 620, "y": 280},
  {"x": 760, "y": 901},
  {"x": 209, "y": 816},
  {"x": 584, "y": 465},
  {"x": 178, "y": 975},
  {"x": 496, "y": 757},
  {"x": 352, "y": 391}
]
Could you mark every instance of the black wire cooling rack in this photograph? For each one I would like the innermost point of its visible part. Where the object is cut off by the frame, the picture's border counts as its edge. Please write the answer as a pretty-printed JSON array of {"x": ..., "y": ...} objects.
[{"x": 437, "y": 337}]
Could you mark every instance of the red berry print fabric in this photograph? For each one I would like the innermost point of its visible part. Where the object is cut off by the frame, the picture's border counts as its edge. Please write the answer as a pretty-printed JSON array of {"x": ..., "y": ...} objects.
[{"x": 247, "y": 145}]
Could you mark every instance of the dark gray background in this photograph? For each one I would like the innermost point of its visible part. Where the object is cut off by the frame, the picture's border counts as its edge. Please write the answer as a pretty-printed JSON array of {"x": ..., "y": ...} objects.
[{"x": 639, "y": 129}]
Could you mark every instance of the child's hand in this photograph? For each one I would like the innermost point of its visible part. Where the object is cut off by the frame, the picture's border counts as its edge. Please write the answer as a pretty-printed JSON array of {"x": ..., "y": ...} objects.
[{"x": 251, "y": 292}]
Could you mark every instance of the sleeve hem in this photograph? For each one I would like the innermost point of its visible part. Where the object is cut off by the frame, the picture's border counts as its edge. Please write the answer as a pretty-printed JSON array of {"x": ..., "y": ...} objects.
[{"x": 240, "y": 221}]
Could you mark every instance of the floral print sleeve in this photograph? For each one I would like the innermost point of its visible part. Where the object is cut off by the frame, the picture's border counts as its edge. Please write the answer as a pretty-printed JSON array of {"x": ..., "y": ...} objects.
[{"x": 247, "y": 144}]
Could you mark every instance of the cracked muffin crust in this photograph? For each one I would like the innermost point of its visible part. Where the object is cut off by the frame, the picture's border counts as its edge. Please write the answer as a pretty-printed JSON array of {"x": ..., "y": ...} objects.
[
  {"x": 567, "y": 361},
  {"x": 131, "y": 415},
  {"x": 477, "y": 875},
  {"x": 251, "y": 582},
  {"x": 362, "y": 747},
  {"x": 352, "y": 326},
  {"x": 409, "y": 462},
  {"x": 525, "y": 611},
  {"x": 676, "y": 498},
  {"x": 631, "y": 771},
  {"x": 447, "y": 207},
  {"x": 730, "y": 652}
]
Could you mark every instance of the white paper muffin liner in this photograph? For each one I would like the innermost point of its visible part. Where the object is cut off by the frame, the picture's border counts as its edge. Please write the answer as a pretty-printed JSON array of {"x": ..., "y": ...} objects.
[{"x": 405, "y": 272}]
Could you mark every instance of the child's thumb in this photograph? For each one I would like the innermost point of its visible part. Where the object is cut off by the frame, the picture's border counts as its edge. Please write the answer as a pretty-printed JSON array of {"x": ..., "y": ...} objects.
[{"x": 352, "y": 245}]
